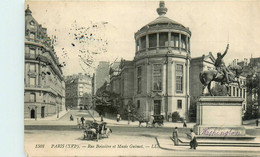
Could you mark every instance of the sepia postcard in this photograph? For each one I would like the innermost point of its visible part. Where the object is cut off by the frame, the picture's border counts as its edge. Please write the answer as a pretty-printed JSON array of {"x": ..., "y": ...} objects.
[{"x": 141, "y": 78}]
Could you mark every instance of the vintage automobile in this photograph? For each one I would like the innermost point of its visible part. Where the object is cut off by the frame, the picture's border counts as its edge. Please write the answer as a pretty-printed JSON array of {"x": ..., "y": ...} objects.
[{"x": 96, "y": 131}]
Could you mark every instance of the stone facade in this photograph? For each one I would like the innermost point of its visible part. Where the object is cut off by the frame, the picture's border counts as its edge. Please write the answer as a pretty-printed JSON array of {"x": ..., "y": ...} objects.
[
  {"x": 44, "y": 93},
  {"x": 78, "y": 91},
  {"x": 157, "y": 80}
]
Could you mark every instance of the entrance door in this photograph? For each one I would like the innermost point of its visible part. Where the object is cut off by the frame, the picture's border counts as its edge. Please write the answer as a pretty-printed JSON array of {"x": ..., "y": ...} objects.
[
  {"x": 157, "y": 107},
  {"x": 32, "y": 113},
  {"x": 42, "y": 111}
]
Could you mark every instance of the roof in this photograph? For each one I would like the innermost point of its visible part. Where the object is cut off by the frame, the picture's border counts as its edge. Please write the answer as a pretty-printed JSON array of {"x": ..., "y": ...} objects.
[{"x": 163, "y": 20}]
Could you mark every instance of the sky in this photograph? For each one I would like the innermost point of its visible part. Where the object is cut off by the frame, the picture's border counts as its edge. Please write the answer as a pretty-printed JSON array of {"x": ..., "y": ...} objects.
[{"x": 92, "y": 31}]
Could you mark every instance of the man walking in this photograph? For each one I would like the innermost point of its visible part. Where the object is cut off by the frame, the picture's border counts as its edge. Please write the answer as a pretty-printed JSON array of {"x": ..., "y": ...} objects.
[
  {"x": 82, "y": 120},
  {"x": 175, "y": 136}
]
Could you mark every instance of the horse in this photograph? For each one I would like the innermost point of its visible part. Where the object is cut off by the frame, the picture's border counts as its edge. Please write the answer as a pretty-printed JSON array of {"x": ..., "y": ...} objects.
[{"x": 206, "y": 77}]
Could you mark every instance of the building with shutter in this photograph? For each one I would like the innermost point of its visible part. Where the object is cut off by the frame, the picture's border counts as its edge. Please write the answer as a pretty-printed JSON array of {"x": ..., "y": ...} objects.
[{"x": 44, "y": 86}]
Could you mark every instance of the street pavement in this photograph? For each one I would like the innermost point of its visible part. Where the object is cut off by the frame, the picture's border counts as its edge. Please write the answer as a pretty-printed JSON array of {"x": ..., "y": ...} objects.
[{"x": 152, "y": 141}]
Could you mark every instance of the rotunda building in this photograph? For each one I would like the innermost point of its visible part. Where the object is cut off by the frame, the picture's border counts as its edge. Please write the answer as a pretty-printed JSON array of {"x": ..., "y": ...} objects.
[{"x": 161, "y": 67}]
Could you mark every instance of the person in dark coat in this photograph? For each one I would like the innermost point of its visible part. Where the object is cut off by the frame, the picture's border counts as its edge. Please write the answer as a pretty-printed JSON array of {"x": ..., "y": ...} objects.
[
  {"x": 175, "y": 136},
  {"x": 82, "y": 120},
  {"x": 101, "y": 116}
]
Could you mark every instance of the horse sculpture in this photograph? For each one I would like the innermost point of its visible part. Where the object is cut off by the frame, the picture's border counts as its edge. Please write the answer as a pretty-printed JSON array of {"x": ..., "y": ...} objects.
[{"x": 206, "y": 77}]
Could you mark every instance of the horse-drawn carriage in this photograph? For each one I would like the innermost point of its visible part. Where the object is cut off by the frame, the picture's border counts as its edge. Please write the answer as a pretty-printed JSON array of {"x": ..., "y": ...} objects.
[
  {"x": 154, "y": 121},
  {"x": 96, "y": 131}
]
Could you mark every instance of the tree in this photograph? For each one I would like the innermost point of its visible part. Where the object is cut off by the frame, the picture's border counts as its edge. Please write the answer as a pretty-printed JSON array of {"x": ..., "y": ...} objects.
[
  {"x": 253, "y": 89},
  {"x": 175, "y": 116}
]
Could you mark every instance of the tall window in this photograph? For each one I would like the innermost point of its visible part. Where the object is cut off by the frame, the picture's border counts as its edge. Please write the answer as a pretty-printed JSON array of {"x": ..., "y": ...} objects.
[
  {"x": 174, "y": 40},
  {"x": 163, "y": 39},
  {"x": 32, "y": 97},
  {"x": 152, "y": 40},
  {"x": 230, "y": 90},
  {"x": 179, "y": 103},
  {"x": 143, "y": 43},
  {"x": 234, "y": 91},
  {"x": 241, "y": 93},
  {"x": 179, "y": 78},
  {"x": 32, "y": 68},
  {"x": 138, "y": 103},
  {"x": 237, "y": 92},
  {"x": 139, "y": 79},
  {"x": 32, "y": 81},
  {"x": 32, "y": 53},
  {"x": 183, "y": 42},
  {"x": 157, "y": 77},
  {"x": 244, "y": 93}
]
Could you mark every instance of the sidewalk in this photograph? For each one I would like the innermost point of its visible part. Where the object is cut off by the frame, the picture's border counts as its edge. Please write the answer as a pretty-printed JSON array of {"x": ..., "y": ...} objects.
[
  {"x": 166, "y": 143},
  {"x": 53, "y": 117}
]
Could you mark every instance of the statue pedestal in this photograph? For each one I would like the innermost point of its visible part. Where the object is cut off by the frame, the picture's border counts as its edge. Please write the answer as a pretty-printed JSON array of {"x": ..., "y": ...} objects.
[{"x": 219, "y": 116}]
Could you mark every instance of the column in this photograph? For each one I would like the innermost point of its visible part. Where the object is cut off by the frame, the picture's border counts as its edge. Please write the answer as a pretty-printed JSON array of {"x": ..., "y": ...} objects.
[
  {"x": 139, "y": 40},
  {"x": 157, "y": 44},
  {"x": 189, "y": 44},
  {"x": 169, "y": 39},
  {"x": 187, "y": 88},
  {"x": 186, "y": 40},
  {"x": 179, "y": 41},
  {"x": 136, "y": 47},
  {"x": 147, "y": 42}
]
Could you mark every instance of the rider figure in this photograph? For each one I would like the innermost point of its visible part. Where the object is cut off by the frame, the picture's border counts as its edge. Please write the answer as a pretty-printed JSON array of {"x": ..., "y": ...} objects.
[{"x": 220, "y": 65}]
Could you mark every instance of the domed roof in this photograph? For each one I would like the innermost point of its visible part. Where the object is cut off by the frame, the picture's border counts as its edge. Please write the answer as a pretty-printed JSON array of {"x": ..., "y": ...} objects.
[{"x": 163, "y": 20}]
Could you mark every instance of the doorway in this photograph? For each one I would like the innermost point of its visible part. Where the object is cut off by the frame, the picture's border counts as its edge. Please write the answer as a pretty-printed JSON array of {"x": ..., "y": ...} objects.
[
  {"x": 32, "y": 113},
  {"x": 42, "y": 111},
  {"x": 157, "y": 107}
]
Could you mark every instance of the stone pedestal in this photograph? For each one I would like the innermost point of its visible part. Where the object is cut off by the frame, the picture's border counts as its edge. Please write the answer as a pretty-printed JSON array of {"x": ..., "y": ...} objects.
[{"x": 219, "y": 116}]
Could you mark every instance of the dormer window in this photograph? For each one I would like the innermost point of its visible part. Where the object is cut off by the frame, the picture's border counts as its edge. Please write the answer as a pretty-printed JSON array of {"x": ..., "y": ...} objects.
[{"x": 32, "y": 23}]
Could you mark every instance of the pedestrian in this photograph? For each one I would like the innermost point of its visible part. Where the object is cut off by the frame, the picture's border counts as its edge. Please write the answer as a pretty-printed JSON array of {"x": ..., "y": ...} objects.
[
  {"x": 71, "y": 118},
  {"x": 101, "y": 116},
  {"x": 256, "y": 122},
  {"x": 118, "y": 117},
  {"x": 175, "y": 136},
  {"x": 82, "y": 120},
  {"x": 184, "y": 124},
  {"x": 78, "y": 122},
  {"x": 193, "y": 140}
]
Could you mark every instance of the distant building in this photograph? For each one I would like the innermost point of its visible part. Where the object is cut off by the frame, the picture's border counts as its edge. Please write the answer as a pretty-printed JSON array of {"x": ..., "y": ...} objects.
[
  {"x": 251, "y": 70},
  {"x": 101, "y": 75},
  {"x": 78, "y": 91},
  {"x": 198, "y": 64},
  {"x": 44, "y": 87}
]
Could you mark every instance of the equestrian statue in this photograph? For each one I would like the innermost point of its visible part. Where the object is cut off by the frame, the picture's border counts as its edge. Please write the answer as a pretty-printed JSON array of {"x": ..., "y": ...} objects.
[{"x": 222, "y": 74}]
